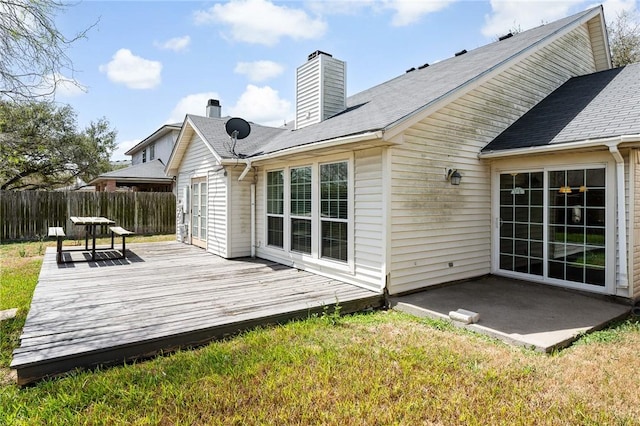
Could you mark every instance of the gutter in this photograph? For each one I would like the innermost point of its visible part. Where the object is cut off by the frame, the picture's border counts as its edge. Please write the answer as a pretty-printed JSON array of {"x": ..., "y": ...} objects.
[
  {"x": 308, "y": 147},
  {"x": 589, "y": 143},
  {"x": 623, "y": 280}
]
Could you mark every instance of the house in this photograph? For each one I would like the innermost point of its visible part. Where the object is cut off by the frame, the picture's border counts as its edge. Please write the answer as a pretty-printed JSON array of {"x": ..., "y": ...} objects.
[
  {"x": 148, "y": 159},
  {"x": 445, "y": 173}
]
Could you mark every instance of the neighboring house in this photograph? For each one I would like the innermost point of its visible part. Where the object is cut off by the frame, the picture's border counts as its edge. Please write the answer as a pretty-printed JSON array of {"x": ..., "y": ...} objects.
[
  {"x": 156, "y": 146},
  {"x": 142, "y": 177},
  {"x": 148, "y": 159},
  {"x": 363, "y": 189}
]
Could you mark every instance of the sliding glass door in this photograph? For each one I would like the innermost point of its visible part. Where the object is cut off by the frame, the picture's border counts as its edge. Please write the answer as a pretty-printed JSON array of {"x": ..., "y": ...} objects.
[{"x": 568, "y": 242}]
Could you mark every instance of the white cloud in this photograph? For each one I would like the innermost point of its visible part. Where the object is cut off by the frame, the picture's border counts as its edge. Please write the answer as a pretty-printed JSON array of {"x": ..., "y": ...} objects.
[
  {"x": 177, "y": 44},
  {"x": 409, "y": 11},
  {"x": 525, "y": 14},
  {"x": 132, "y": 71},
  {"x": 262, "y": 22},
  {"x": 262, "y": 105},
  {"x": 612, "y": 8},
  {"x": 259, "y": 70},
  {"x": 191, "y": 104},
  {"x": 57, "y": 85},
  {"x": 345, "y": 7},
  {"x": 123, "y": 147}
]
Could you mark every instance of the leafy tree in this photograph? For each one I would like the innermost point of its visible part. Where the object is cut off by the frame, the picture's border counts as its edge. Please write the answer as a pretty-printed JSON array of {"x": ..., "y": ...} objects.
[
  {"x": 33, "y": 57},
  {"x": 41, "y": 147},
  {"x": 624, "y": 39}
]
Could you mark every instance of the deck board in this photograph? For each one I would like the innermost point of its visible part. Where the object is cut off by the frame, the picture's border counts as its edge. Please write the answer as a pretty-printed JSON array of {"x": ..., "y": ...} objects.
[{"x": 162, "y": 296}]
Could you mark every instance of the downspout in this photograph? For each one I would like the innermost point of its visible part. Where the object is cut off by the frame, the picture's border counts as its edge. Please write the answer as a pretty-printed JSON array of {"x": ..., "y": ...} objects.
[
  {"x": 252, "y": 197},
  {"x": 623, "y": 281}
]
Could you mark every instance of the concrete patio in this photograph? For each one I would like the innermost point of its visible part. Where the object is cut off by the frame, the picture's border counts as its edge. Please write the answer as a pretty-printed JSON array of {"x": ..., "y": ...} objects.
[{"x": 539, "y": 316}]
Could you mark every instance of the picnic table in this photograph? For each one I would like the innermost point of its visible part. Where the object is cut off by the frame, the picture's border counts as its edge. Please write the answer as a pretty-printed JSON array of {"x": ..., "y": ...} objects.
[{"x": 90, "y": 224}]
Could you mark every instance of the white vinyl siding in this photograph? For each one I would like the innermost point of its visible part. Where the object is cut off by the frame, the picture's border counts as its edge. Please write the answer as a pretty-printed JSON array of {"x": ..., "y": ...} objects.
[
  {"x": 162, "y": 149},
  {"x": 369, "y": 217},
  {"x": 439, "y": 232},
  {"x": 367, "y": 243},
  {"x": 217, "y": 231},
  {"x": 239, "y": 213},
  {"x": 320, "y": 90},
  {"x": 599, "y": 46},
  {"x": 634, "y": 242},
  {"x": 198, "y": 162}
]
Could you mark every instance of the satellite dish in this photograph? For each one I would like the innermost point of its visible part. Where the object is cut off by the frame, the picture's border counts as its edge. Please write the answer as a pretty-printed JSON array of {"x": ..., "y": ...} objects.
[{"x": 237, "y": 128}]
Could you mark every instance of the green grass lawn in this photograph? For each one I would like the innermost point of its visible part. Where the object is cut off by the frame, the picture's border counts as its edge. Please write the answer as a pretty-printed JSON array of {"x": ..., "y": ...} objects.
[{"x": 376, "y": 368}]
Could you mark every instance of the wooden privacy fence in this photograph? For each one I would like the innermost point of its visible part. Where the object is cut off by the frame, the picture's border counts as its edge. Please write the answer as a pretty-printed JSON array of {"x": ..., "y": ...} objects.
[{"x": 26, "y": 215}]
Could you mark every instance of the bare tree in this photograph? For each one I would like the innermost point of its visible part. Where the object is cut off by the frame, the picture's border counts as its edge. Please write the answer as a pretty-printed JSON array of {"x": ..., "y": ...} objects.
[
  {"x": 624, "y": 39},
  {"x": 34, "y": 56}
]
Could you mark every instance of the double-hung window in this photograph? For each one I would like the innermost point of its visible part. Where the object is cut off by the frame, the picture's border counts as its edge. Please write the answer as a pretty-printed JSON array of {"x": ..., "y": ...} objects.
[
  {"x": 275, "y": 208},
  {"x": 300, "y": 188},
  {"x": 334, "y": 194},
  {"x": 307, "y": 210}
]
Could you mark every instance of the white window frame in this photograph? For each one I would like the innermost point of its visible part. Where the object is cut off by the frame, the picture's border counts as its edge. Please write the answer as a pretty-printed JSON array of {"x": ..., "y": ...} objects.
[
  {"x": 314, "y": 259},
  {"x": 266, "y": 209},
  {"x": 610, "y": 233}
]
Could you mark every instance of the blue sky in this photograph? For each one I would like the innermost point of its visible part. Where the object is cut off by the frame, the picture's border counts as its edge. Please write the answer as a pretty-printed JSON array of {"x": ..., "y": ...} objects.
[{"x": 147, "y": 63}]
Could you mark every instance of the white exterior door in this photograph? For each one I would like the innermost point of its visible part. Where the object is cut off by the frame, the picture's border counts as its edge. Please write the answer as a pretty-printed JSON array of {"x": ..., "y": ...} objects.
[{"x": 199, "y": 212}]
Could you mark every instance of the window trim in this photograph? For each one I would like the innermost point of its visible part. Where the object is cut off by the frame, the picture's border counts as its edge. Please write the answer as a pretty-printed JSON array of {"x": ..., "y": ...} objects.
[
  {"x": 610, "y": 227},
  {"x": 314, "y": 259},
  {"x": 269, "y": 215}
]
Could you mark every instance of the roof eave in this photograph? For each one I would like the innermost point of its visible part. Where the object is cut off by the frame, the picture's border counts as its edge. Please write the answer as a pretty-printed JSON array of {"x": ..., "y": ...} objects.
[
  {"x": 546, "y": 149},
  {"x": 330, "y": 143},
  {"x": 155, "y": 135}
]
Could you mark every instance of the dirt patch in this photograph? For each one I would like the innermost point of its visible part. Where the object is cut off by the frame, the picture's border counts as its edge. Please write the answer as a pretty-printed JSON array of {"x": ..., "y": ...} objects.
[{"x": 8, "y": 376}]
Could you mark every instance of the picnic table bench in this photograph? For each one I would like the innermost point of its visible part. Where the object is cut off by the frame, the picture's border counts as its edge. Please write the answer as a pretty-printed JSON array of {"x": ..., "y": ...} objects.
[
  {"x": 58, "y": 233},
  {"x": 90, "y": 224},
  {"x": 118, "y": 230}
]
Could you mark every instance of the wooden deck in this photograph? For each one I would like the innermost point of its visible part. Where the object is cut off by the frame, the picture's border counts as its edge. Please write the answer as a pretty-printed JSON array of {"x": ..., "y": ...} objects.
[{"x": 161, "y": 297}]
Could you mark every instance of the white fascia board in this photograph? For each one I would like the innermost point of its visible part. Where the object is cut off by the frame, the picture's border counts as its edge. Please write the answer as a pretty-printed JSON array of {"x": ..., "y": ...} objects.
[
  {"x": 171, "y": 169},
  {"x": 589, "y": 143},
  {"x": 177, "y": 153},
  {"x": 377, "y": 135},
  {"x": 399, "y": 126},
  {"x": 605, "y": 38},
  {"x": 151, "y": 138}
]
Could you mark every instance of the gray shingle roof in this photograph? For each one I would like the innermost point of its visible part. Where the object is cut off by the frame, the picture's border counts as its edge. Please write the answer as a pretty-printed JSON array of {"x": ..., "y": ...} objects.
[
  {"x": 152, "y": 170},
  {"x": 385, "y": 105},
  {"x": 600, "y": 105},
  {"x": 213, "y": 130}
]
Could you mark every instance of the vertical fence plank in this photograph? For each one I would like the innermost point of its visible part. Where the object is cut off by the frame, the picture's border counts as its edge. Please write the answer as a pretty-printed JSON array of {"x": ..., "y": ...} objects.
[{"x": 26, "y": 215}]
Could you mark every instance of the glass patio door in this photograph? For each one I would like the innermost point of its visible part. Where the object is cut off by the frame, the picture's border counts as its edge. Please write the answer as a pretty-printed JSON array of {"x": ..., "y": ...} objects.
[
  {"x": 521, "y": 222},
  {"x": 199, "y": 212},
  {"x": 569, "y": 243}
]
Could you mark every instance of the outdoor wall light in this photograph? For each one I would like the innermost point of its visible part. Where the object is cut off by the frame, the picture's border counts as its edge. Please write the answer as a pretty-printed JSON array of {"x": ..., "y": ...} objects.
[{"x": 454, "y": 177}]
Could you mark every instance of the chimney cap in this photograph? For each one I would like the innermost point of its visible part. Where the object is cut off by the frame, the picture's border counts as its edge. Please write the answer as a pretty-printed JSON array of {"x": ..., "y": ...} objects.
[
  {"x": 317, "y": 53},
  {"x": 213, "y": 102}
]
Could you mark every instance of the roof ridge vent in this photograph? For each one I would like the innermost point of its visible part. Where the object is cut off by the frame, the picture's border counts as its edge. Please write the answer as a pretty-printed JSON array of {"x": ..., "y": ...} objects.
[
  {"x": 421, "y": 67},
  {"x": 410, "y": 69},
  {"x": 462, "y": 52},
  {"x": 506, "y": 36}
]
